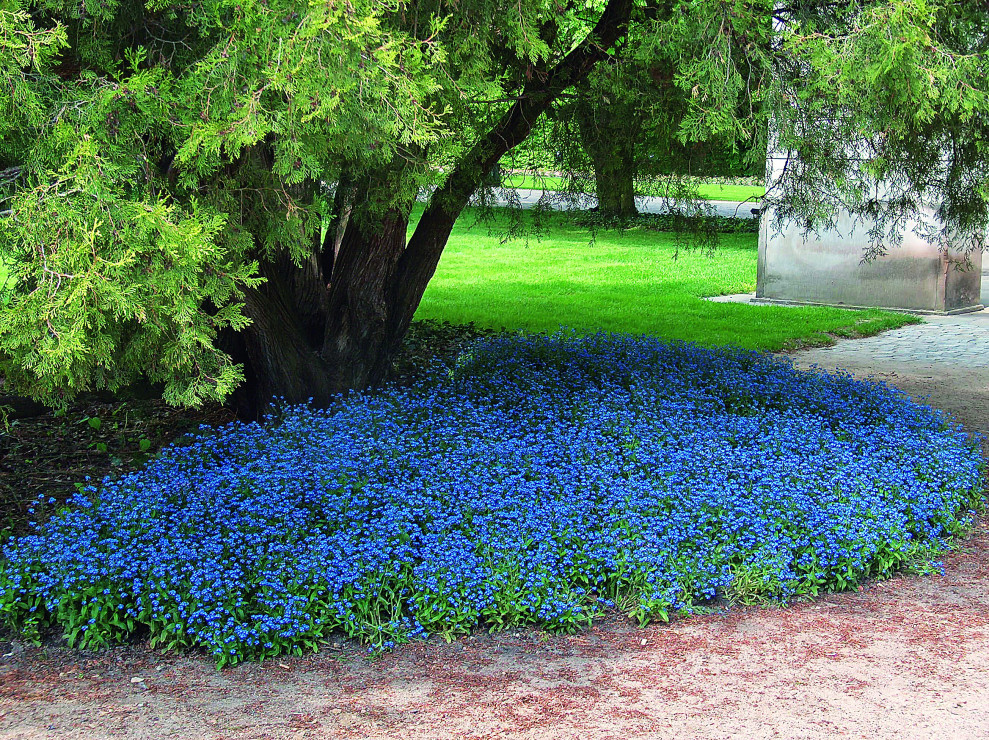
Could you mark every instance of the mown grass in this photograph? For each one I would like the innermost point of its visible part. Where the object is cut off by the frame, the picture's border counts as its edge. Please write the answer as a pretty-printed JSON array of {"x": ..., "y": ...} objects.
[
  {"x": 629, "y": 281},
  {"x": 707, "y": 191}
]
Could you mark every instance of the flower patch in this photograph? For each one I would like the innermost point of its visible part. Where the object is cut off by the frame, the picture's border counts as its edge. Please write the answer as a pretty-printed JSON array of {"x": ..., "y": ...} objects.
[{"x": 543, "y": 481}]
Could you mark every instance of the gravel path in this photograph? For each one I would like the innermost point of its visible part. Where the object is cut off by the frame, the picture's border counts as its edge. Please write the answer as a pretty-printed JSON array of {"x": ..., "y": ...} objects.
[{"x": 903, "y": 658}]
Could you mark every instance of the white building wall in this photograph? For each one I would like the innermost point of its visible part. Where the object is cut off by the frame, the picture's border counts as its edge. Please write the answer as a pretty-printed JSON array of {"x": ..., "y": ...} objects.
[{"x": 827, "y": 268}]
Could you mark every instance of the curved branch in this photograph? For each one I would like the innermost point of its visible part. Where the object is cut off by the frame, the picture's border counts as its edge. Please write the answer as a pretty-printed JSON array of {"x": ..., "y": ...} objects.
[{"x": 419, "y": 260}]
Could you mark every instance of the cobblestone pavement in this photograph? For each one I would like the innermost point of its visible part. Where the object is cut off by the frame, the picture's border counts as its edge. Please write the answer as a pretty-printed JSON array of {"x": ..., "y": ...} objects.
[
  {"x": 959, "y": 342},
  {"x": 943, "y": 362}
]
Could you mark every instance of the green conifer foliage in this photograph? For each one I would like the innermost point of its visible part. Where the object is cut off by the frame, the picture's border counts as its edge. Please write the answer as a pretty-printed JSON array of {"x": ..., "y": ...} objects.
[{"x": 215, "y": 195}]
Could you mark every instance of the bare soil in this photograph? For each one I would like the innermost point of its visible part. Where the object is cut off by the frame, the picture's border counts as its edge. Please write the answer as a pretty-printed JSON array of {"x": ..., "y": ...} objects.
[{"x": 903, "y": 658}]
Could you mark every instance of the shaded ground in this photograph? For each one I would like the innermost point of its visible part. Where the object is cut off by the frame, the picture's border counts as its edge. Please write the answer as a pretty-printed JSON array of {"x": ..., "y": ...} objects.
[
  {"x": 49, "y": 454},
  {"x": 904, "y": 658}
]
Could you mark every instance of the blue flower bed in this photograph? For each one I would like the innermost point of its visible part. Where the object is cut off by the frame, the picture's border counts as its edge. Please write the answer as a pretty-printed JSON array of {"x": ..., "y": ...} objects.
[{"x": 544, "y": 480}]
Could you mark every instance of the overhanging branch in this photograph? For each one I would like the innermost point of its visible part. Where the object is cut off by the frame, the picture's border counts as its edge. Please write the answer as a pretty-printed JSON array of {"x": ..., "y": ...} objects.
[{"x": 419, "y": 260}]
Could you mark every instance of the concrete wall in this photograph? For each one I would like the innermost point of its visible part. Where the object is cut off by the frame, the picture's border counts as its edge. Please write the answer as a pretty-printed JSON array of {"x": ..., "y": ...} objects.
[{"x": 828, "y": 269}]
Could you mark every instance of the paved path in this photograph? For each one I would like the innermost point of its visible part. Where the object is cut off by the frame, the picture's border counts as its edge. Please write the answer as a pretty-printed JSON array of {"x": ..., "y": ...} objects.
[
  {"x": 941, "y": 342},
  {"x": 645, "y": 204},
  {"x": 943, "y": 362}
]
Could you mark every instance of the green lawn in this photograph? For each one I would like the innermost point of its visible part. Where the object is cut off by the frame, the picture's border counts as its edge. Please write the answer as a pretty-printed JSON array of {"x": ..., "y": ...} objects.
[
  {"x": 624, "y": 281},
  {"x": 708, "y": 191}
]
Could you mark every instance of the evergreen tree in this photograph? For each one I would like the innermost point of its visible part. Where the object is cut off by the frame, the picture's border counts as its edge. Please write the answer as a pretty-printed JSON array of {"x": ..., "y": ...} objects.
[
  {"x": 627, "y": 116},
  {"x": 168, "y": 169}
]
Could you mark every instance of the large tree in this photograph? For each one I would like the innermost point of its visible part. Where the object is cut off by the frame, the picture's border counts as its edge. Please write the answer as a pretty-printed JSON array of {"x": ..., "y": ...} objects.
[
  {"x": 216, "y": 195},
  {"x": 626, "y": 117}
]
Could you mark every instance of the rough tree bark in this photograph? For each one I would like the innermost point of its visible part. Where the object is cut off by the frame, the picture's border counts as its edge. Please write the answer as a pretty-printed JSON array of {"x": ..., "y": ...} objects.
[{"x": 335, "y": 323}]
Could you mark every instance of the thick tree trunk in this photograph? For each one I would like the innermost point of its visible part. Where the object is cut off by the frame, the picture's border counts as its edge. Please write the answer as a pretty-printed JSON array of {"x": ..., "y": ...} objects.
[
  {"x": 309, "y": 340},
  {"x": 279, "y": 348},
  {"x": 615, "y": 185},
  {"x": 358, "y": 342},
  {"x": 335, "y": 323}
]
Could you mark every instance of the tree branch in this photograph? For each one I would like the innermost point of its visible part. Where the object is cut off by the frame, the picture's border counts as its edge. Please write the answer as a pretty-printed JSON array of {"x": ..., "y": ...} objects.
[{"x": 419, "y": 260}]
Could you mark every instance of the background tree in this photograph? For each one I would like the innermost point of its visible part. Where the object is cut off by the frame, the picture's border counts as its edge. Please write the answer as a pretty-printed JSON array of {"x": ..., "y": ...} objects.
[
  {"x": 626, "y": 117},
  {"x": 610, "y": 121},
  {"x": 169, "y": 169}
]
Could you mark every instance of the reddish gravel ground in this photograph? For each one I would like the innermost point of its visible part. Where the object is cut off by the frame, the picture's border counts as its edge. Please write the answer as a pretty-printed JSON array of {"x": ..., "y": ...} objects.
[{"x": 905, "y": 658}]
